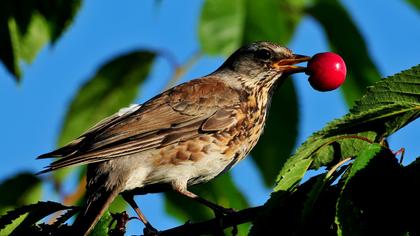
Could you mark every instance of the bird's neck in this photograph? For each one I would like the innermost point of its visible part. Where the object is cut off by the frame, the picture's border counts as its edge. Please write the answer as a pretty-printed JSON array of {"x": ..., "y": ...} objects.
[
  {"x": 257, "y": 89},
  {"x": 251, "y": 83}
]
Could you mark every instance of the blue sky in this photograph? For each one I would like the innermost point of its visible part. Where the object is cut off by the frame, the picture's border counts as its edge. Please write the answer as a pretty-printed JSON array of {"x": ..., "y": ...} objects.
[{"x": 32, "y": 111}]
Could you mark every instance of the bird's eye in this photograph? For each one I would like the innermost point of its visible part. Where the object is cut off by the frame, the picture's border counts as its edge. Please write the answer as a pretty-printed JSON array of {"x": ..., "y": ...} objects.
[{"x": 263, "y": 54}]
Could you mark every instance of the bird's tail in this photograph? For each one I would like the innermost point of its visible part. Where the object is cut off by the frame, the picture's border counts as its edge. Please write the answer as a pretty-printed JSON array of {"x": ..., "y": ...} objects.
[{"x": 96, "y": 204}]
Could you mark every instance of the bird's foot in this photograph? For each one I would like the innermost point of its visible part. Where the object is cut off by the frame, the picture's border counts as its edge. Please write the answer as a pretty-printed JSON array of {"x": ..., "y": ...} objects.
[
  {"x": 221, "y": 211},
  {"x": 149, "y": 230}
]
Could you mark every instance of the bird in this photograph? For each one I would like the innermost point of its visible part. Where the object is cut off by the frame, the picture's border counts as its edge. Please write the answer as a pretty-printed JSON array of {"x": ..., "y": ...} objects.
[{"x": 187, "y": 135}]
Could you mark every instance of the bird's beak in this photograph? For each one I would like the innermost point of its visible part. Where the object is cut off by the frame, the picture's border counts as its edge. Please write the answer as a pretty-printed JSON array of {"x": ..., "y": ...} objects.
[{"x": 287, "y": 65}]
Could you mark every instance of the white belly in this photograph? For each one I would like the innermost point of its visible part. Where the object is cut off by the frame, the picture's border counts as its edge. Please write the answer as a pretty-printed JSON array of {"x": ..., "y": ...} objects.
[{"x": 184, "y": 173}]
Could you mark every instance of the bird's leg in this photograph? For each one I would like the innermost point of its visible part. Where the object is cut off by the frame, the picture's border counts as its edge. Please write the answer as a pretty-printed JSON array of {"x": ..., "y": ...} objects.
[
  {"x": 149, "y": 229},
  {"x": 217, "y": 209}
]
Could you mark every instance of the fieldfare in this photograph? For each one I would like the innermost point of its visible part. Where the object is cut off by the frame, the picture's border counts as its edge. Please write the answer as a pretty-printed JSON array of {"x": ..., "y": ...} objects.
[{"x": 184, "y": 136}]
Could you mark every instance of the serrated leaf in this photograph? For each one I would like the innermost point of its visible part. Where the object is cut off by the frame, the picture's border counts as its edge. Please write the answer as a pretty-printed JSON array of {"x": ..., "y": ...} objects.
[
  {"x": 26, "y": 26},
  {"x": 32, "y": 213},
  {"x": 363, "y": 159},
  {"x": 386, "y": 107},
  {"x": 284, "y": 211},
  {"x": 64, "y": 217},
  {"x": 370, "y": 197},
  {"x": 226, "y": 25},
  {"x": 291, "y": 174},
  {"x": 36, "y": 215},
  {"x": 22, "y": 189},
  {"x": 280, "y": 133},
  {"x": 221, "y": 191},
  {"x": 366, "y": 155},
  {"x": 115, "y": 85},
  {"x": 10, "y": 226},
  {"x": 341, "y": 148},
  {"x": 345, "y": 39}
]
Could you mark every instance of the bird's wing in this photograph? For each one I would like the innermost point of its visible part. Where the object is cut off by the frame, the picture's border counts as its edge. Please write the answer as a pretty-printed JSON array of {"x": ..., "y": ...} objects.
[
  {"x": 76, "y": 144},
  {"x": 204, "y": 105}
]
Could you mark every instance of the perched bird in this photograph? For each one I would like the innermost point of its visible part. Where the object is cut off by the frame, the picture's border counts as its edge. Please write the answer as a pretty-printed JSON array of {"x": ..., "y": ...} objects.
[{"x": 184, "y": 136}]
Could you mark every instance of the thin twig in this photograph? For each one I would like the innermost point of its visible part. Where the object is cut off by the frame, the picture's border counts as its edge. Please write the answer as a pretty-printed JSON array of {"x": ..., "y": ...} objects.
[{"x": 210, "y": 226}]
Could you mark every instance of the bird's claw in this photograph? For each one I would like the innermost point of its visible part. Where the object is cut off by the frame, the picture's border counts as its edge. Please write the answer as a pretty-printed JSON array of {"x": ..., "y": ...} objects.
[
  {"x": 150, "y": 231},
  {"x": 219, "y": 212}
]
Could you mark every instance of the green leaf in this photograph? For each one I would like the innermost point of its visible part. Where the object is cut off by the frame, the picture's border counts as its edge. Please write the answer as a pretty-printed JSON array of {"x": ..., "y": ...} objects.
[
  {"x": 280, "y": 133},
  {"x": 370, "y": 196},
  {"x": 22, "y": 189},
  {"x": 226, "y": 25},
  {"x": 414, "y": 3},
  {"x": 115, "y": 85},
  {"x": 363, "y": 159},
  {"x": 359, "y": 164},
  {"x": 10, "y": 227},
  {"x": 20, "y": 219},
  {"x": 346, "y": 40},
  {"x": 386, "y": 107},
  {"x": 221, "y": 26},
  {"x": 102, "y": 227},
  {"x": 26, "y": 26},
  {"x": 221, "y": 191},
  {"x": 27, "y": 45},
  {"x": 59, "y": 15},
  {"x": 284, "y": 212},
  {"x": 118, "y": 205},
  {"x": 271, "y": 20}
]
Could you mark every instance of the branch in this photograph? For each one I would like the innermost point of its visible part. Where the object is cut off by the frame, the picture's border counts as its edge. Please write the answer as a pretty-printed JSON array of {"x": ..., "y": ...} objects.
[
  {"x": 216, "y": 224},
  {"x": 180, "y": 70}
]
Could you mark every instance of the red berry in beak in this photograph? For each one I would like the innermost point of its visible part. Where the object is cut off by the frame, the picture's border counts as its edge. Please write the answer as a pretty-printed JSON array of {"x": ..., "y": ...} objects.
[{"x": 327, "y": 71}]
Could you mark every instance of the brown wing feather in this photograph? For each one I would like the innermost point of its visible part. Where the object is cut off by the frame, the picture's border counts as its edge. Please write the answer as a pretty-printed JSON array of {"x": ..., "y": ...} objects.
[
  {"x": 76, "y": 144},
  {"x": 221, "y": 119},
  {"x": 175, "y": 115}
]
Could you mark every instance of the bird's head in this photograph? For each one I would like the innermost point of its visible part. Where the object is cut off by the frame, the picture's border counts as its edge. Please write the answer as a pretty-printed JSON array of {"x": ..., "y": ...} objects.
[{"x": 262, "y": 62}]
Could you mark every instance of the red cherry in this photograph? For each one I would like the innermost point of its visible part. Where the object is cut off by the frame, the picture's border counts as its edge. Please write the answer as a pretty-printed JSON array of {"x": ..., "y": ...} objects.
[{"x": 327, "y": 71}]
